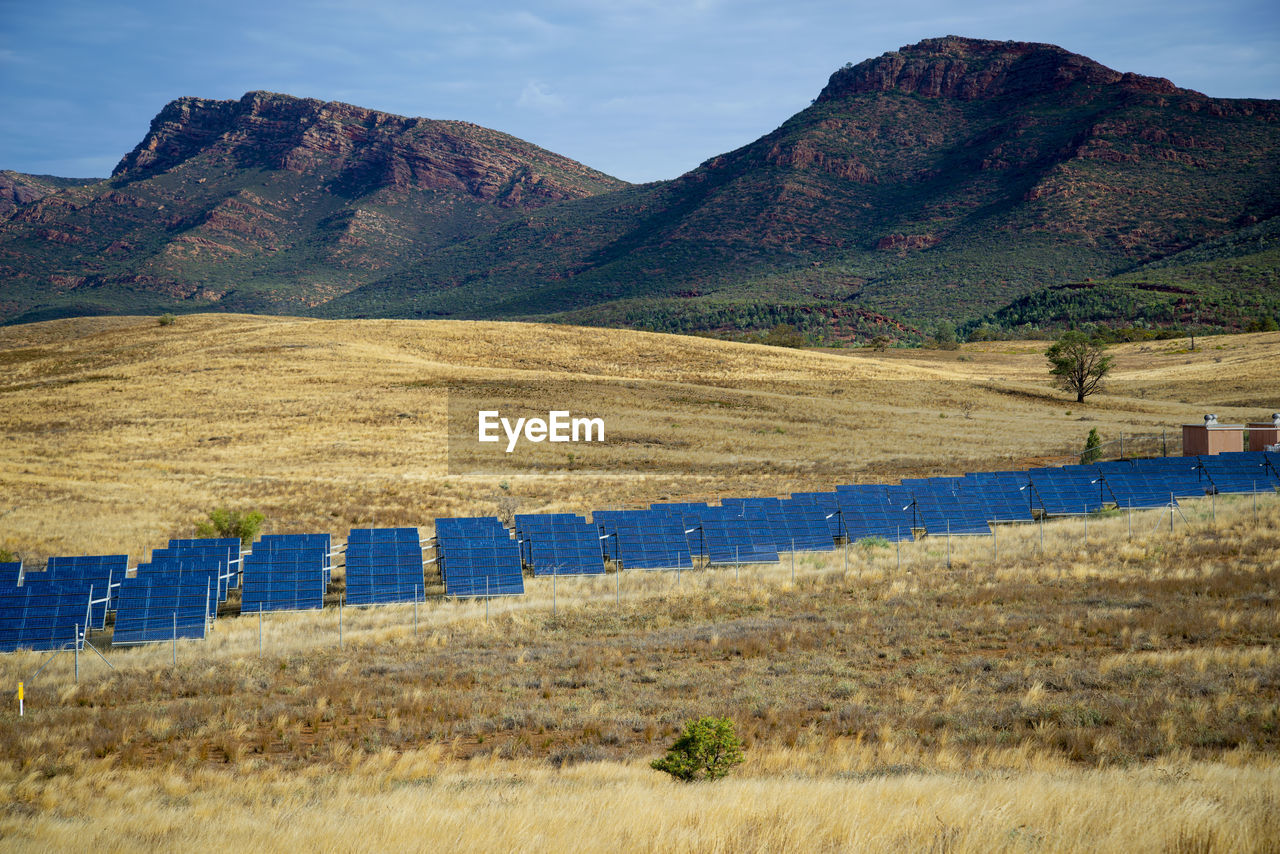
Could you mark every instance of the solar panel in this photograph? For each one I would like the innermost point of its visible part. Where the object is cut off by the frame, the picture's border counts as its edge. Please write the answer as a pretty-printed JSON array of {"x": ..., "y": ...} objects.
[
  {"x": 383, "y": 565},
  {"x": 1179, "y": 476},
  {"x": 1005, "y": 496},
  {"x": 41, "y": 616},
  {"x": 945, "y": 514},
  {"x": 644, "y": 539},
  {"x": 478, "y": 557},
  {"x": 216, "y": 561},
  {"x": 163, "y": 602},
  {"x": 869, "y": 510},
  {"x": 800, "y": 526},
  {"x": 559, "y": 544},
  {"x": 288, "y": 572},
  {"x": 1134, "y": 488},
  {"x": 230, "y": 545},
  {"x": 100, "y": 574},
  {"x": 10, "y": 572},
  {"x": 1243, "y": 472},
  {"x": 724, "y": 537},
  {"x": 1069, "y": 490},
  {"x": 829, "y": 504}
]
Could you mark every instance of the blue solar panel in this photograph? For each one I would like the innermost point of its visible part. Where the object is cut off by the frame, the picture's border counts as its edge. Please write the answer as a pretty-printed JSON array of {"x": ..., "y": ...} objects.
[
  {"x": 216, "y": 561},
  {"x": 1070, "y": 490},
  {"x": 1179, "y": 476},
  {"x": 10, "y": 572},
  {"x": 559, "y": 544},
  {"x": 944, "y": 514},
  {"x": 871, "y": 510},
  {"x": 722, "y": 536},
  {"x": 1005, "y": 496},
  {"x": 163, "y": 602},
  {"x": 644, "y": 539},
  {"x": 1134, "y": 488},
  {"x": 41, "y": 616},
  {"x": 383, "y": 565},
  {"x": 287, "y": 572},
  {"x": 231, "y": 546},
  {"x": 1242, "y": 472},
  {"x": 100, "y": 574},
  {"x": 478, "y": 557}
]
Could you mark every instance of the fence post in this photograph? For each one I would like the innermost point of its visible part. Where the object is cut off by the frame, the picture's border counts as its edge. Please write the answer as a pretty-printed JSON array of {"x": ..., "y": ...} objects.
[{"x": 76, "y": 646}]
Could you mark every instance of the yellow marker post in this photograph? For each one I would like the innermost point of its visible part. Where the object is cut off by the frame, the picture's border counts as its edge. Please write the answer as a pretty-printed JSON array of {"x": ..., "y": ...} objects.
[{"x": 19, "y": 699}]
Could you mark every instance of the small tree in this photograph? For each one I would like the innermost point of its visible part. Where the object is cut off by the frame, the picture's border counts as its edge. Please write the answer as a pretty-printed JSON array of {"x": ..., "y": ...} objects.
[
  {"x": 1079, "y": 363},
  {"x": 944, "y": 336},
  {"x": 708, "y": 748},
  {"x": 231, "y": 523},
  {"x": 1092, "y": 448}
]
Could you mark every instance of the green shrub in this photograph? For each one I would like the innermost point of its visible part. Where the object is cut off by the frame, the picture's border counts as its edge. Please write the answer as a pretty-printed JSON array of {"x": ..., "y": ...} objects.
[
  {"x": 7, "y": 556},
  {"x": 1092, "y": 448},
  {"x": 231, "y": 523},
  {"x": 166, "y": 320},
  {"x": 708, "y": 749}
]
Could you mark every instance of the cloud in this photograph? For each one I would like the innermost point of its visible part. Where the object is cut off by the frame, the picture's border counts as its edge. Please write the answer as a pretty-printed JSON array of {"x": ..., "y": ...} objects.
[{"x": 536, "y": 96}]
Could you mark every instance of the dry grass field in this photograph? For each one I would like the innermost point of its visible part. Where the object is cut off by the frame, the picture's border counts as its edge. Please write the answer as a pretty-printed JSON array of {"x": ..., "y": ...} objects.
[
  {"x": 120, "y": 433},
  {"x": 1107, "y": 686}
]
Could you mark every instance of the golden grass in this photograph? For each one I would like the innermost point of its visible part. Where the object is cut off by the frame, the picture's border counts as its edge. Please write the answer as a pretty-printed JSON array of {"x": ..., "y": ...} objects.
[
  {"x": 1076, "y": 691},
  {"x": 121, "y": 433},
  {"x": 406, "y": 801}
]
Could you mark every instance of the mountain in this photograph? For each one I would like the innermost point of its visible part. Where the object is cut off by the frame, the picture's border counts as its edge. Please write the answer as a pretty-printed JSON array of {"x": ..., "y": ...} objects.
[
  {"x": 950, "y": 179},
  {"x": 18, "y": 189},
  {"x": 271, "y": 204}
]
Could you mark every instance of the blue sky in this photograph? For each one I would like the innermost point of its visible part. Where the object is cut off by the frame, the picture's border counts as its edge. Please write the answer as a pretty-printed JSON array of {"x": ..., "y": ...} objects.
[{"x": 641, "y": 89}]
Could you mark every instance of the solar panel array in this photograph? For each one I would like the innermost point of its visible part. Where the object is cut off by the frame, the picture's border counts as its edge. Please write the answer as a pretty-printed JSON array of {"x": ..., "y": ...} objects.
[
  {"x": 478, "y": 557},
  {"x": 286, "y": 572},
  {"x": 384, "y": 565},
  {"x": 559, "y": 544},
  {"x": 88, "y": 573}
]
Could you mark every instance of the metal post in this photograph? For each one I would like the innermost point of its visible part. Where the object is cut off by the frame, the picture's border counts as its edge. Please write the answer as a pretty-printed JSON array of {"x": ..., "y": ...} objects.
[
  {"x": 339, "y": 622},
  {"x": 737, "y": 557},
  {"x": 897, "y": 541},
  {"x": 1255, "y": 502},
  {"x": 1086, "y": 527},
  {"x": 486, "y": 600},
  {"x": 259, "y": 630},
  {"x": 995, "y": 547},
  {"x": 948, "y": 544},
  {"x": 846, "y": 557},
  {"x": 1170, "y": 512},
  {"x": 1130, "y": 517},
  {"x": 1042, "y": 534},
  {"x": 76, "y": 645},
  {"x": 555, "y": 572},
  {"x": 415, "y": 610},
  {"x": 617, "y": 583},
  {"x": 175, "y": 638},
  {"x": 793, "y": 561},
  {"x": 1214, "y": 506}
]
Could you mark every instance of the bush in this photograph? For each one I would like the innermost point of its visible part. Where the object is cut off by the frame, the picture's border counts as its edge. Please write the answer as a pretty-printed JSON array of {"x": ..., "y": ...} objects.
[
  {"x": 166, "y": 320},
  {"x": 7, "y": 556},
  {"x": 231, "y": 523},
  {"x": 708, "y": 749}
]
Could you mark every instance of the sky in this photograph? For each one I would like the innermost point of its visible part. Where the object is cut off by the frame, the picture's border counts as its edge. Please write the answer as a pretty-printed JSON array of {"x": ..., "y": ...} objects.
[{"x": 640, "y": 89}]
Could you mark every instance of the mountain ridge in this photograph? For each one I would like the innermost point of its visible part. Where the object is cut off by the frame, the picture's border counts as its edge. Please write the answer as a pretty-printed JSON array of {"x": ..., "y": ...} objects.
[{"x": 940, "y": 181}]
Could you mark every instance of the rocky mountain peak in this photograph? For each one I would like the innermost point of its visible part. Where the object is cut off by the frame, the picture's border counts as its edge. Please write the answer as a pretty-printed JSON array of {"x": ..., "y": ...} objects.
[{"x": 973, "y": 69}]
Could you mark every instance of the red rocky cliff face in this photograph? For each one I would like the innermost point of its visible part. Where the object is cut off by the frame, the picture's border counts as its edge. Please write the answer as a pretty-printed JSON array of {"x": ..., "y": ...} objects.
[
  {"x": 361, "y": 149},
  {"x": 972, "y": 69}
]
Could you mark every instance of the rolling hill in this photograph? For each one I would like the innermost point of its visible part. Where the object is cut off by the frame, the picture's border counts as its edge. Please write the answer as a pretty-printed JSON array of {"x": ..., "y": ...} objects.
[{"x": 951, "y": 179}]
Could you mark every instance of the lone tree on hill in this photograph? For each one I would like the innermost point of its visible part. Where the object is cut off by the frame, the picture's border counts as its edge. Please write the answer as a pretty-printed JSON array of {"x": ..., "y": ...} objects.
[{"x": 1078, "y": 362}]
